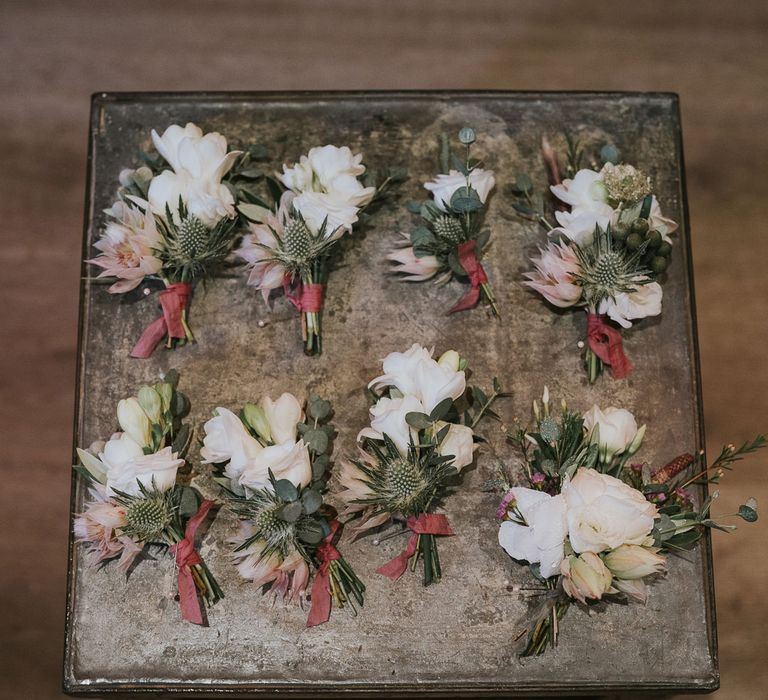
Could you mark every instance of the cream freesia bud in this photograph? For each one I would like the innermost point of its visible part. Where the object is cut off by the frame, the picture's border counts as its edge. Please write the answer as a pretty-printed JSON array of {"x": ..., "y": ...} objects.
[
  {"x": 536, "y": 413},
  {"x": 585, "y": 577},
  {"x": 450, "y": 360},
  {"x": 545, "y": 398},
  {"x": 634, "y": 446},
  {"x": 151, "y": 402},
  {"x": 134, "y": 421},
  {"x": 631, "y": 561},
  {"x": 165, "y": 392},
  {"x": 257, "y": 419}
]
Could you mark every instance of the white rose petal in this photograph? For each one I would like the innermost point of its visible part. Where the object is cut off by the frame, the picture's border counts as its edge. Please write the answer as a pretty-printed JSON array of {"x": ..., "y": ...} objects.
[
  {"x": 287, "y": 461},
  {"x": 227, "y": 440},
  {"x": 283, "y": 417}
]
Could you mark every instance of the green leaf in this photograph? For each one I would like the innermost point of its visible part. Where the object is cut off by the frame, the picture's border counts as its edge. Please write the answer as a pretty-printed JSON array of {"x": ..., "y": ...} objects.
[
  {"x": 317, "y": 440},
  {"x": 93, "y": 466},
  {"x": 286, "y": 491},
  {"x": 251, "y": 174},
  {"x": 180, "y": 405},
  {"x": 413, "y": 206},
  {"x": 748, "y": 513},
  {"x": 523, "y": 183},
  {"x": 291, "y": 512},
  {"x": 319, "y": 466},
  {"x": 253, "y": 212},
  {"x": 311, "y": 500},
  {"x": 441, "y": 410},
  {"x": 455, "y": 265},
  {"x": 609, "y": 154},
  {"x": 645, "y": 209},
  {"x": 310, "y": 532},
  {"x": 188, "y": 503},
  {"x": 466, "y": 200},
  {"x": 422, "y": 237},
  {"x": 172, "y": 378},
  {"x": 418, "y": 420},
  {"x": 430, "y": 211},
  {"x": 685, "y": 540},
  {"x": 274, "y": 187},
  {"x": 181, "y": 441},
  {"x": 318, "y": 408},
  {"x": 482, "y": 239}
]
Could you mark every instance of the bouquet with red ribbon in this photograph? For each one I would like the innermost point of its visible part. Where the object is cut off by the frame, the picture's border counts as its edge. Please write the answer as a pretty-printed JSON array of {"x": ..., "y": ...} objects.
[
  {"x": 135, "y": 502},
  {"x": 451, "y": 238},
  {"x": 593, "y": 525},
  {"x": 291, "y": 244},
  {"x": 272, "y": 459},
  {"x": 611, "y": 251},
  {"x": 175, "y": 223},
  {"x": 420, "y": 438}
]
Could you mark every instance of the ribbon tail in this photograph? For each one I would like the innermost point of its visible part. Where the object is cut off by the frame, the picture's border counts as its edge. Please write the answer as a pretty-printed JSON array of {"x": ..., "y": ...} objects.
[
  {"x": 395, "y": 568},
  {"x": 607, "y": 344},
  {"x": 191, "y": 609},
  {"x": 150, "y": 339},
  {"x": 468, "y": 301},
  {"x": 320, "y": 611}
]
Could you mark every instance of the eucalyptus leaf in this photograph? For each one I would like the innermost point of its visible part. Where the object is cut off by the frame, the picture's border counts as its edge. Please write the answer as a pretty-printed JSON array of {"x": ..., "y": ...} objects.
[
  {"x": 311, "y": 500},
  {"x": 310, "y": 532},
  {"x": 748, "y": 513},
  {"x": 181, "y": 441},
  {"x": 319, "y": 466},
  {"x": 189, "y": 502},
  {"x": 466, "y": 200},
  {"x": 291, "y": 512},
  {"x": 413, "y": 206},
  {"x": 317, "y": 440},
  {"x": 286, "y": 491},
  {"x": 318, "y": 408},
  {"x": 171, "y": 377},
  {"x": 441, "y": 410},
  {"x": 418, "y": 420}
]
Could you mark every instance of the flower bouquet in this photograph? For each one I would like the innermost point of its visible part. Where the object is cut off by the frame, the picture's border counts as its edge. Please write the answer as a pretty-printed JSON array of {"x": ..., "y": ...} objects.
[
  {"x": 611, "y": 252},
  {"x": 292, "y": 244},
  {"x": 415, "y": 446},
  {"x": 591, "y": 525},
  {"x": 273, "y": 461},
  {"x": 173, "y": 225},
  {"x": 135, "y": 500},
  {"x": 451, "y": 238}
]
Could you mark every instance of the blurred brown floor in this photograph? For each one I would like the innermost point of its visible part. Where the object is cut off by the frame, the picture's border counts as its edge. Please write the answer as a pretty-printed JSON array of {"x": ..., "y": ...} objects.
[{"x": 52, "y": 56}]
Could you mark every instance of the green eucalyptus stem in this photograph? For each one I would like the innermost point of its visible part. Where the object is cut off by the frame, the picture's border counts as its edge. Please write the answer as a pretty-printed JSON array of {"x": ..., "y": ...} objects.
[{"x": 593, "y": 364}]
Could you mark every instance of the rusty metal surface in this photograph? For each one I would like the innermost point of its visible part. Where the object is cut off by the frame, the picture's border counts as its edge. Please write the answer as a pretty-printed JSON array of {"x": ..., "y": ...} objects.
[{"x": 454, "y": 637}]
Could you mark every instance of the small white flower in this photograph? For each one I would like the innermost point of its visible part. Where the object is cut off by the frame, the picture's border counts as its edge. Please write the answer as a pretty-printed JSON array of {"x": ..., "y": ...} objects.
[
  {"x": 541, "y": 539},
  {"x": 127, "y": 465},
  {"x": 458, "y": 443},
  {"x": 227, "y": 440},
  {"x": 444, "y": 186},
  {"x": 626, "y": 307},
  {"x": 613, "y": 429},
  {"x": 283, "y": 417},
  {"x": 199, "y": 162},
  {"x": 388, "y": 418}
]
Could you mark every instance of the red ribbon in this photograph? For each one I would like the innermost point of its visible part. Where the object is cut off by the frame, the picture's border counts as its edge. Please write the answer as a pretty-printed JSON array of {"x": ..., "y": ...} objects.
[
  {"x": 320, "y": 611},
  {"x": 476, "y": 273},
  {"x": 425, "y": 524},
  {"x": 187, "y": 556},
  {"x": 173, "y": 300},
  {"x": 308, "y": 297},
  {"x": 605, "y": 342}
]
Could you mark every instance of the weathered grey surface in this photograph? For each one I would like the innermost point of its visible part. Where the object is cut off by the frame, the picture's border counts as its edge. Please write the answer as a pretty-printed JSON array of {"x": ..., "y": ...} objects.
[{"x": 459, "y": 633}]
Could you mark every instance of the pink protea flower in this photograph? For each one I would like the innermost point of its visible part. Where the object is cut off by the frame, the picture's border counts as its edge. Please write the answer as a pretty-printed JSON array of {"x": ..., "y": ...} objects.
[
  {"x": 288, "y": 576},
  {"x": 355, "y": 489},
  {"x": 128, "y": 248},
  {"x": 258, "y": 246},
  {"x": 99, "y": 526},
  {"x": 554, "y": 276},
  {"x": 415, "y": 269}
]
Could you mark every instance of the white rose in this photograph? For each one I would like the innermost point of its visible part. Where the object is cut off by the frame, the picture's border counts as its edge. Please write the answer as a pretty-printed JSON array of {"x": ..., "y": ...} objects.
[
  {"x": 283, "y": 416},
  {"x": 584, "y": 193},
  {"x": 579, "y": 226},
  {"x": 459, "y": 443},
  {"x": 388, "y": 417},
  {"x": 227, "y": 440},
  {"x": 127, "y": 465},
  {"x": 134, "y": 422},
  {"x": 415, "y": 372},
  {"x": 614, "y": 430},
  {"x": 541, "y": 539},
  {"x": 299, "y": 177},
  {"x": 628, "y": 306},
  {"x": 287, "y": 461},
  {"x": 199, "y": 162},
  {"x": 317, "y": 208},
  {"x": 604, "y": 513},
  {"x": 444, "y": 186}
]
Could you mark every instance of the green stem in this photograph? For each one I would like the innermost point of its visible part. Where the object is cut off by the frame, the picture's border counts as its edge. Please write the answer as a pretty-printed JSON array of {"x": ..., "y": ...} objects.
[{"x": 490, "y": 298}]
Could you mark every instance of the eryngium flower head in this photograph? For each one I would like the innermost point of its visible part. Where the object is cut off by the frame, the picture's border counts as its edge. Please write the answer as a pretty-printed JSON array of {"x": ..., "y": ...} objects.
[
  {"x": 147, "y": 518},
  {"x": 606, "y": 271}
]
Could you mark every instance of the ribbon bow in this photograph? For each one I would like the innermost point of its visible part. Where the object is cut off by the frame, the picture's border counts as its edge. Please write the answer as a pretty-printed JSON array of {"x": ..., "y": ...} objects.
[
  {"x": 325, "y": 553},
  {"x": 308, "y": 297},
  {"x": 186, "y": 556},
  {"x": 425, "y": 524},
  {"x": 477, "y": 277},
  {"x": 605, "y": 342},
  {"x": 173, "y": 300}
]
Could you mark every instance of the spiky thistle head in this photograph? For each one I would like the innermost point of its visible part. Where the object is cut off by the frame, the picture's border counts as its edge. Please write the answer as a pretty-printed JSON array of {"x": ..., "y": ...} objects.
[
  {"x": 148, "y": 515},
  {"x": 192, "y": 237},
  {"x": 448, "y": 229},
  {"x": 606, "y": 271},
  {"x": 403, "y": 484}
]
